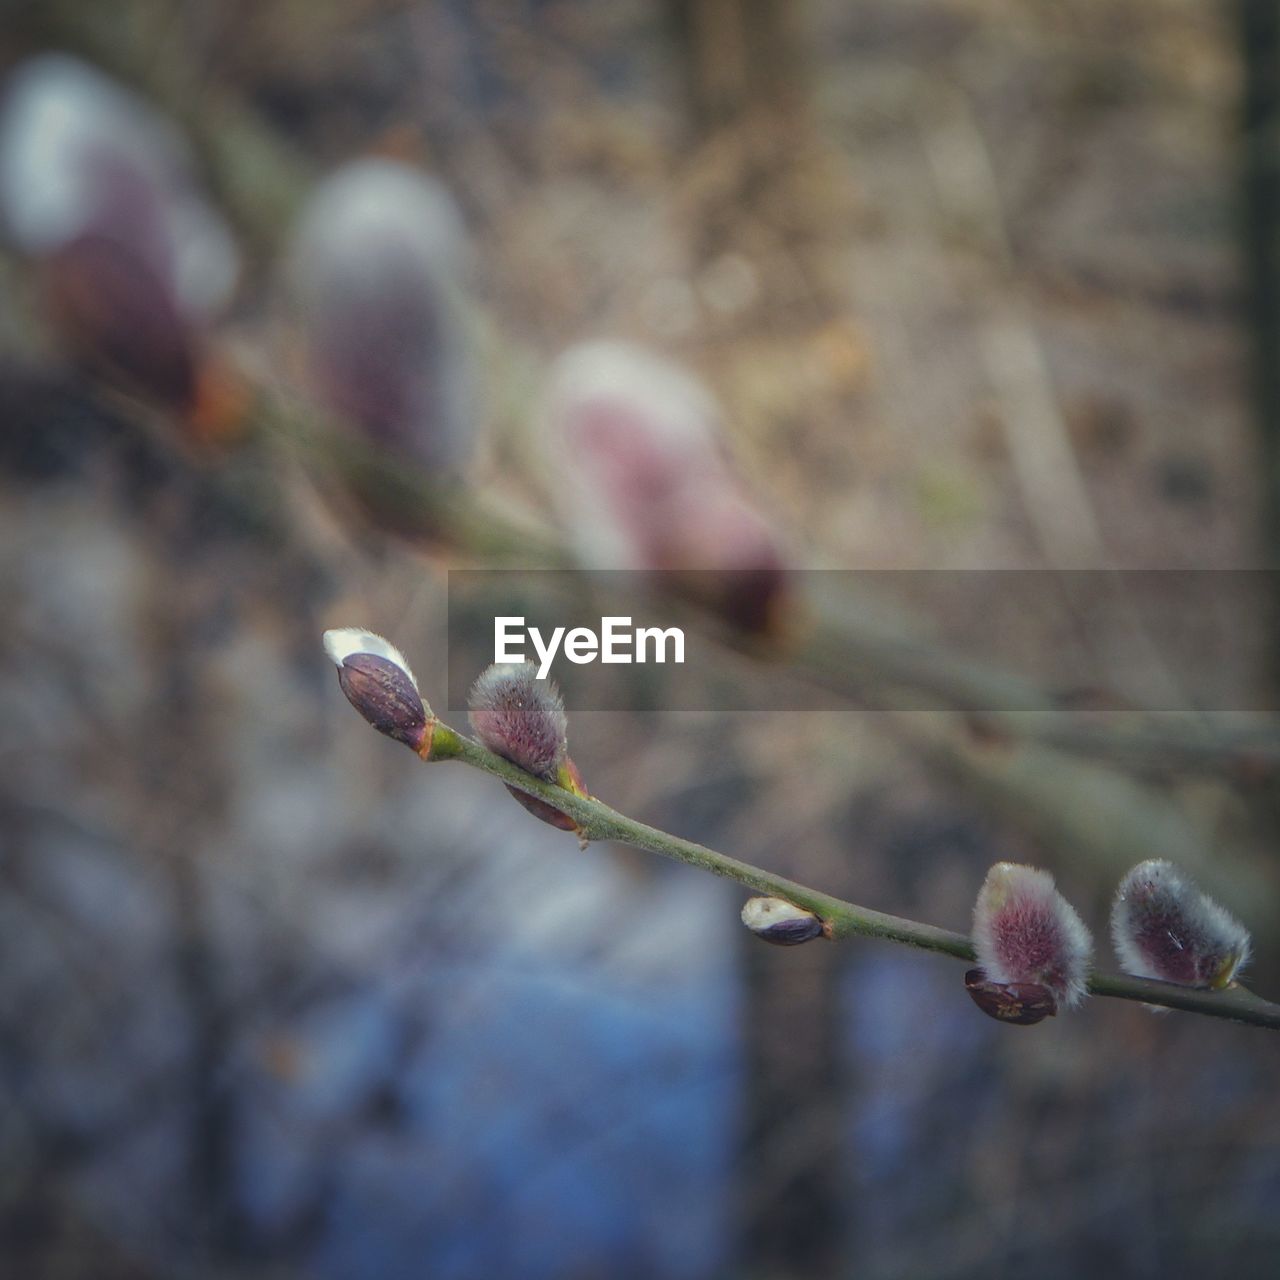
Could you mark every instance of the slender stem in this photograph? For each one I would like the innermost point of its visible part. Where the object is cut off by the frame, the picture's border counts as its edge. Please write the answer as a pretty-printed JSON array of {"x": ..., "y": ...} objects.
[{"x": 597, "y": 821}]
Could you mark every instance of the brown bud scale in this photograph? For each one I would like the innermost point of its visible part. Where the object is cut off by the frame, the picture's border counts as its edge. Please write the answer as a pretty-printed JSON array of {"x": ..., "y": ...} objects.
[
  {"x": 383, "y": 693},
  {"x": 1021, "y": 1003}
]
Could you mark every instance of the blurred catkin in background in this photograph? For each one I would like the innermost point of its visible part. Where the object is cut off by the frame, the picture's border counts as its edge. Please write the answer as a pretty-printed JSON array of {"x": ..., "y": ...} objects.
[{"x": 301, "y": 306}]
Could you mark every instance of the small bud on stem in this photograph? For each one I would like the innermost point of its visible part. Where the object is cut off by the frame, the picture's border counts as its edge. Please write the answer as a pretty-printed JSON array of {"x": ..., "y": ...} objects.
[
  {"x": 378, "y": 683},
  {"x": 520, "y": 718},
  {"x": 781, "y": 922}
]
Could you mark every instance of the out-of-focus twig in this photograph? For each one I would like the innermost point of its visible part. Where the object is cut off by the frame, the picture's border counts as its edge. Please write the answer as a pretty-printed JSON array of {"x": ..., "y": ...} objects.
[
  {"x": 1055, "y": 772},
  {"x": 840, "y": 641},
  {"x": 240, "y": 151},
  {"x": 1259, "y": 28},
  {"x": 1054, "y": 492}
]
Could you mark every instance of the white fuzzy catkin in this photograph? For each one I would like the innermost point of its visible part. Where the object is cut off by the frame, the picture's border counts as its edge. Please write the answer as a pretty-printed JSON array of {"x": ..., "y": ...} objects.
[
  {"x": 1163, "y": 926},
  {"x": 69, "y": 139},
  {"x": 377, "y": 267}
]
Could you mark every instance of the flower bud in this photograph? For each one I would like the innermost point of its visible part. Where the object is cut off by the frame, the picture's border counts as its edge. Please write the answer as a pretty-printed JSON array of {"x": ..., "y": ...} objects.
[
  {"x": 1022, "y": 1003},
  {"x": 781, "y": 922},
  {"x": 522, "y": 719},
  {"x": 378, "y": 683},
  {"x": 1164, "y": 927},
  {"x": 375, "y": 267},
  {"x": 643, "y": 480},
  {"x": 96, "y": 187},
  {"x": 1025, "y": 933}
]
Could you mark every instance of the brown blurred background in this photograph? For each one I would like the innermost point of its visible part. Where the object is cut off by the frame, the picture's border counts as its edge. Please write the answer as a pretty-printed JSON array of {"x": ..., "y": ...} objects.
[{"x": 980, "y": 285}]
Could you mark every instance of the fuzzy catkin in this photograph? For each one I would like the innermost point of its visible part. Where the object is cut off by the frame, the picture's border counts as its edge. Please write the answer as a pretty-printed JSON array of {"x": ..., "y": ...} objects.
[
  {"x": 521, "y": 718},
  {"x": 1025, "y": 931},
  {"x": 1164, "y": 927}
]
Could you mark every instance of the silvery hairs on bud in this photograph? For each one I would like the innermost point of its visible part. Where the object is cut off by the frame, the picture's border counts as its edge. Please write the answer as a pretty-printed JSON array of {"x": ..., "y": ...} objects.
[
  {"x": 1163, "y": 926},
  {"x": 1025, "y": 931},
  {"x": 520, "y": 718},
  {"x": 375, "y": 266},
  {"x": 781, "y": 922},
  {"x": 99, "y": 188},
  {"x": 377, "y": 681},
  {"x": 81, "y": 155}
]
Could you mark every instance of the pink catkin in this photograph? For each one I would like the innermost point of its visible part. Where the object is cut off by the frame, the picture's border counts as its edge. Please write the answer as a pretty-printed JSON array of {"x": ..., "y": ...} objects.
[
  {"x": 642, "y": 473},
  {"x": 1025, "y": 931},
  {"x": 521, "y": 718}
]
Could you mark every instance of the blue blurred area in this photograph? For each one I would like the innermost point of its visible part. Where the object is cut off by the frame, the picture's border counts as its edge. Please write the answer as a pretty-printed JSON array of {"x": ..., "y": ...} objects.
[
  {"x": 587, "y": 1125},
  {"x": 556, "y": 1095}
]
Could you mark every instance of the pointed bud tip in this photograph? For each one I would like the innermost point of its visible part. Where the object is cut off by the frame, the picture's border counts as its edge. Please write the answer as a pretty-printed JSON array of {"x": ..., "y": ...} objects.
[
  {"x": 571, "y": 779},
  {"x": 781, "y": 922},
  {"x": 340, "y": 643},
  {"x": 520, "y": 718},
  {"x": 1163, "y": 926},
  {"x": 1026, "y": 932}
]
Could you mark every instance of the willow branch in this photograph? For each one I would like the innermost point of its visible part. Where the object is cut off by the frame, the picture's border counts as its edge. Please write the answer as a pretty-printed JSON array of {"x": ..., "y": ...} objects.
[{"x": 597, "y": 821}]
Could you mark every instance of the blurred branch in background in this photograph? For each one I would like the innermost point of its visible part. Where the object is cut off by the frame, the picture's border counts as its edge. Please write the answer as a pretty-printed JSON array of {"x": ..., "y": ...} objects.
[
  {"x": 1048, "y": 775},
  {"x": 1259, "y": 26},
  {"x": 743, "y": 62},
  {"x": 237, "y": 146},
  {"x": 1052, "y": 488},
  {"x": 1097, "y": 790}
]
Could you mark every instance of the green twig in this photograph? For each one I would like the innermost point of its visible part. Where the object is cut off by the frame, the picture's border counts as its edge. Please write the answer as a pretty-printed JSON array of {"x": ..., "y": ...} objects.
[{"x": 597, "y": 821}]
